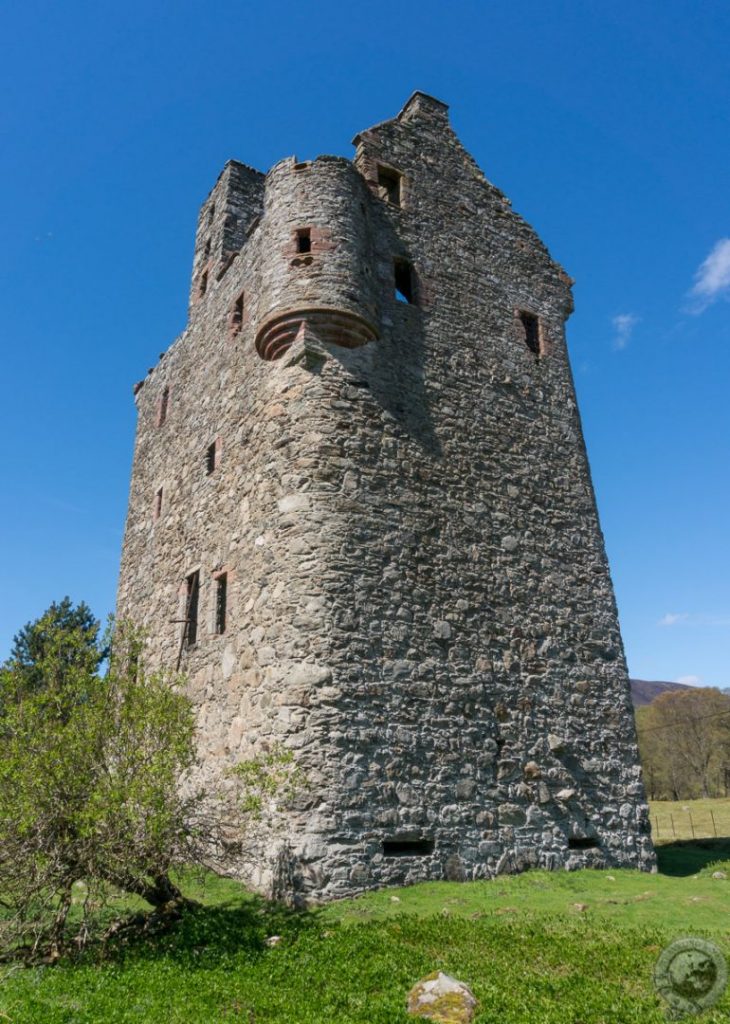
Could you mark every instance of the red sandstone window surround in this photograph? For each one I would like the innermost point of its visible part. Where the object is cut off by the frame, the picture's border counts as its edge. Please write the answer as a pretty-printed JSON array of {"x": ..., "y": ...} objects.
[
  {"x": 235, "y": 319},
  {"x": 304, "y": 240},
  {"x": 163, "y": 406}
]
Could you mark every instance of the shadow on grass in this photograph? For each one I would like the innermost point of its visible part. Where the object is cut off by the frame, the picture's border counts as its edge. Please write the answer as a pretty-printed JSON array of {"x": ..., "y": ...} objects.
[
  {"x": 689, "y": 856},
  {"x": 210, "y": 935}
]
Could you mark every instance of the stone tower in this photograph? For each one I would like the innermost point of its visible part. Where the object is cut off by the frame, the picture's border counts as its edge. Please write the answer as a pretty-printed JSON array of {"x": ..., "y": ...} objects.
[{"x": 360, "y": 480}]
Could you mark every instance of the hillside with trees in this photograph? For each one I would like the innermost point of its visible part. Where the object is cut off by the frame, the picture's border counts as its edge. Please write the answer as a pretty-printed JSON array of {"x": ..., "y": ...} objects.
[{"x": 684, "y": 740}]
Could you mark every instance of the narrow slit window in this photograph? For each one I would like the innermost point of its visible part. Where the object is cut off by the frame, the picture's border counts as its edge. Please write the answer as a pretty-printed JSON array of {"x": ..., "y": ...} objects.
[
  {"x": 164, "y": 406},
  {"x": 236, "y": 320},
  {"x": 408, "y": 847},
  {"x": 158, "y": 504},
  {"x": 304, "y": 240},
  {"x": 192, "y": 593},
  {"x": 221, "y": 601},
  {"x": 389, "y": 185},
  {"x": 405, "y": 290},
  {"x": 531, "y": 328},
  {"x": 206, "y": 250},
  {"x": 203, "y": 286},
  {"x": 211, "y": 458},
  {"x": 211, "y": 213}
]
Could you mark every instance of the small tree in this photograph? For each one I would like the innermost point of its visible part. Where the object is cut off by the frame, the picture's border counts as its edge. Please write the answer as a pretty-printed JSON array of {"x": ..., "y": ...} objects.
[
  {"x": 72, "y": 632},
  {"x": 90, "y": 777}
]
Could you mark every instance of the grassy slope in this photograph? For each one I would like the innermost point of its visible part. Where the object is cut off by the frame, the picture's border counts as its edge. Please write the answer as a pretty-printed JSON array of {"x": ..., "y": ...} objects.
[{"x": 530, "y": 954}]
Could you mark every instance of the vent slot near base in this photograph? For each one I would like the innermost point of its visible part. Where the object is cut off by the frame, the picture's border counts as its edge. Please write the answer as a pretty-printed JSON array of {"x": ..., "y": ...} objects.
[
  {"x": 408, "y": 847},
  {"x": 586, "y": 843}
]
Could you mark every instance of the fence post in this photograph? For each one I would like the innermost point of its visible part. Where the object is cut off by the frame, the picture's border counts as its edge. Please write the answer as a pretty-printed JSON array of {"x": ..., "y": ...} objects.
[
  {"x": 656, "y": 822},
  {"x": 714, "y": 826},
  {"x": 691, "y": 824},
  {"x": 671, "y": 818}
]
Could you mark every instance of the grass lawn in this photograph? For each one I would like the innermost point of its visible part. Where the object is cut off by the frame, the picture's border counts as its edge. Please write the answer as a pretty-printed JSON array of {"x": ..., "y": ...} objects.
[
  {"x": 562, "y": 948},
  {"x": 689, "y": 819}
]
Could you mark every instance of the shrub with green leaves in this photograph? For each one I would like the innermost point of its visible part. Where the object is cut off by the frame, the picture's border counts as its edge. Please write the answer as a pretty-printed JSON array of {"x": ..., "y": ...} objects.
[{"x": 90, "y": 779}]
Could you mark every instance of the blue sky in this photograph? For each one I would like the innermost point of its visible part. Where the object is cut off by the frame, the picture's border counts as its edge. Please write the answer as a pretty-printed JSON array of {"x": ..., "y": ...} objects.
[{"x": 605, "y": 123}]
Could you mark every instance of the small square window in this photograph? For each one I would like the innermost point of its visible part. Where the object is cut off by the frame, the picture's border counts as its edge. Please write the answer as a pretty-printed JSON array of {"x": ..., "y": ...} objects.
[
  {"x": 390, "y": 185},
  {"x": 304, "y": 240}
]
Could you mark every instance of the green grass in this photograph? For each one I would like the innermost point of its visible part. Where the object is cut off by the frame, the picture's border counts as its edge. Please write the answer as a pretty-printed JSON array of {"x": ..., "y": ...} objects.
[
  {"x": 689, "y": 819},
  {"x": 539, "y": 948}
]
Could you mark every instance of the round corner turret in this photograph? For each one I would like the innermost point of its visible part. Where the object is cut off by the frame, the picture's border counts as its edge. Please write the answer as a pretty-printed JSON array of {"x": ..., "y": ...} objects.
[{"x": 316, "y": 258}]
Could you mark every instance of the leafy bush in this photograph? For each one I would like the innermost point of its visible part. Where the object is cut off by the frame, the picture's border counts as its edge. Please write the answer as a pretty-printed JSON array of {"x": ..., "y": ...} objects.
[{"x": 90, "y": 778}]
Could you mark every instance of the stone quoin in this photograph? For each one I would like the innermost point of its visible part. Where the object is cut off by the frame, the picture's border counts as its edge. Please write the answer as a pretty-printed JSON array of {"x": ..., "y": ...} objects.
[{"x": 362, "y": 523}]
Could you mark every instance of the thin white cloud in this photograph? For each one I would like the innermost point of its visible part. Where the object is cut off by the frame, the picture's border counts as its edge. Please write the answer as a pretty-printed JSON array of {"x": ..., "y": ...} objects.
[
  {"x": 689, "y": 680},
  {"x": 623, "y": 326},
  {"x": 694, "y": 619},
  {"x": 673, "y": 618},
  {"x": 712, "y": 280}
]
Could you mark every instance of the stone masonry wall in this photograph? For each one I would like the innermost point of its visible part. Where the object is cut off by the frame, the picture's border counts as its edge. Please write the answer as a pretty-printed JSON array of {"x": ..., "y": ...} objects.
[{"x": 419, "y": 603}]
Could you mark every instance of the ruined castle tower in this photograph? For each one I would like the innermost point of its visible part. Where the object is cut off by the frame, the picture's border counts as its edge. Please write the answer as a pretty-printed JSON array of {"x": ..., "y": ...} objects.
[{"x": 360, "y": 479}]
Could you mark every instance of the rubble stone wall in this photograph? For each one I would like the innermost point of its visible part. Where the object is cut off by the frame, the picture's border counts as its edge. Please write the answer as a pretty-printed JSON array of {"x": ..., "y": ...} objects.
[{"x": 419, "y": 602}]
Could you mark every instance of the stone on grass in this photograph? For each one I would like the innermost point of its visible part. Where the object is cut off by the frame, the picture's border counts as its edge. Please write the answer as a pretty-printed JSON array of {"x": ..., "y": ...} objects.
[
  {"x": 719, "y": 874},
  {"x": 441, "y": 998}
]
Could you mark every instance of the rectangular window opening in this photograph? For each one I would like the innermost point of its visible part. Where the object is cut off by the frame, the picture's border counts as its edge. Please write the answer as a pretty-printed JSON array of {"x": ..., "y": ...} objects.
[
  {"x": 211, "y": 213},
  {"x": 192, "y": 592},
  {"x": 405, "y": 290},
  {"x": 237, "y": 314},
  {"x": 158, "y": 504},
  {"x": 389, "y": 185},
  {"x": 226, "y": 264},
  {"x": 304, "y": 240},
  {"x": 408, "y": 847},
  {"x": 531, "y": 327},
  {"x": 206, "y": 251},
  {"x": 203, "y": 286},
  {"x": 164, "y": 405},
  {"x": 211, "y": 458},
  {"x": 582, "y": 843},
  {"x": 221, "y": 598}
]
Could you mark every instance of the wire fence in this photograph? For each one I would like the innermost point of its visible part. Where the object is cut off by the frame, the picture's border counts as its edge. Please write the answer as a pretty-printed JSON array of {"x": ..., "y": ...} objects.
[{"x": 690, "y": 822}]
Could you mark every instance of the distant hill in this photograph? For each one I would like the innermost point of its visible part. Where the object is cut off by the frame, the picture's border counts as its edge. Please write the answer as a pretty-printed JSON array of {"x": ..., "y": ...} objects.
[{"x": 643, "y": 691}]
